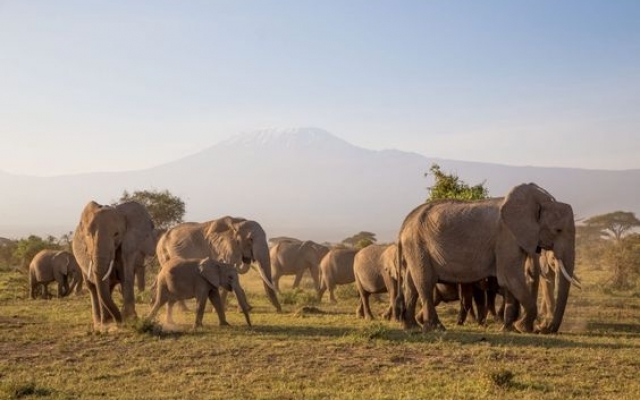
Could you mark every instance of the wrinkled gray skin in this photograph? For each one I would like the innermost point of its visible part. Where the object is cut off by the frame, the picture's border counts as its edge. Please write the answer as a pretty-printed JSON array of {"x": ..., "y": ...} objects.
[
  {"x": 336, "y": 268},
  {"x": 54, "y": 265},
  {"x": 290, "y": 257},
  {"x": 231, "y": 240},
  {"x": 106, "y": 243},
  {"x": 182, "y": 279},
  {"x": 374, "y": 269},
  {"x": 439, "y": 241}
]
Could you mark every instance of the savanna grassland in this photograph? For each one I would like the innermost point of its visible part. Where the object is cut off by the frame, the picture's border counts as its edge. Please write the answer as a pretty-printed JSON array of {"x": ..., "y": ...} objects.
[{"x": 48, "y": 350}]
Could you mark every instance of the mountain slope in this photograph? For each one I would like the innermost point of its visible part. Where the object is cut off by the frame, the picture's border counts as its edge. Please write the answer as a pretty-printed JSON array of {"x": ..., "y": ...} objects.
[{"x": 298, "y": 182}]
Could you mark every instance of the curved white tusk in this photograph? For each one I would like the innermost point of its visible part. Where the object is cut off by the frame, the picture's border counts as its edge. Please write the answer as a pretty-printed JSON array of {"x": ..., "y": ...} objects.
[
  {"x": 569, "y": 277},
  {"x": 106, "y": 276},
  {"x": 266, "y": 281}
]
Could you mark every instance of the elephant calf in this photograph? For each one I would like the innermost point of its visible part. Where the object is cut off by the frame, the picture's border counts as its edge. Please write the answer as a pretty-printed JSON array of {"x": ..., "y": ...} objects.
[
  {"x": 336, "y": 268},
  {"x": 374, "y": 268},
  {"x": 182, "y": 279},
  {"x": 51, "y": 265}
]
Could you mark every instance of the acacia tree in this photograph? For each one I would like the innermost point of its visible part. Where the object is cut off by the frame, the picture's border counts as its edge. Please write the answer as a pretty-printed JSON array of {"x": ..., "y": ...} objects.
[
  {"x": 450, "y": 186},
  {"x": 360, "y": 240},
  {"x": 613, "y": 225},
  {"x": 609, "y": 240},
  {"x": 164, "y": 208}
]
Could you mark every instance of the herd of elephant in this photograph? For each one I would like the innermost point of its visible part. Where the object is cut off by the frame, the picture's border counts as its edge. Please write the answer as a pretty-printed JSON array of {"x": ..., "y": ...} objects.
[{"x": 520, "y": 246}]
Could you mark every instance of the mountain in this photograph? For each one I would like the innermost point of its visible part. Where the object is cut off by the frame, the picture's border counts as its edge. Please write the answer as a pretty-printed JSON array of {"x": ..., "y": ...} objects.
[{"x": 301, "y": 182}]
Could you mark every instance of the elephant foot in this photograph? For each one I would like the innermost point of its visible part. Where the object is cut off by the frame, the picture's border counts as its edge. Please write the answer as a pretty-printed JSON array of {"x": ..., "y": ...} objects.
[
  {"x": 508, "y": 328},
  {"x": 129, "y": 314},
  {"x": 433, "y": 326},
  {"x": 544, "y": 329},
  {"x": 409, "y": 324},
  {"x": 523, "y": 326},
  {"x": 387, "y": 315},
  {"x": 224, "y": 323}
]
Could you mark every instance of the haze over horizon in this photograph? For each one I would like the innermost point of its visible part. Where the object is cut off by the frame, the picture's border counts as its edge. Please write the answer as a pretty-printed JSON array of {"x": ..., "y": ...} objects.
[{"x": 120, "y": 86}]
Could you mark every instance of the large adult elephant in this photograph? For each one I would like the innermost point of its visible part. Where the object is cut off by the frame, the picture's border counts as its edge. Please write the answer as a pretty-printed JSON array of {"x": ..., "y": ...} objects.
[
  {"x": 230, "y": 240},
  {"x": 462, "y": 242},
  {"x": 292, "y": 257},
  {"x": 106, "y": 243},
  {"x": 54, "y": 265}
]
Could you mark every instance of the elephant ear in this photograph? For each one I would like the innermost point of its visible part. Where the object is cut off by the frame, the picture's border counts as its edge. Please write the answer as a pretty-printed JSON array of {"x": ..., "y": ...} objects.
[
  {"x": 520, "y": 212},
  {"x": 210, "y": 271},
  {"x": 136, "y": 226},
  {"x": 63, "y": 258},
  {"x": 391, "y": 261}
]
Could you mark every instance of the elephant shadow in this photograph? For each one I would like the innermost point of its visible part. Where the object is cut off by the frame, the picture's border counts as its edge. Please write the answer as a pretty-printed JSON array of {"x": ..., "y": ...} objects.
[{"x": 566, "y": 340}]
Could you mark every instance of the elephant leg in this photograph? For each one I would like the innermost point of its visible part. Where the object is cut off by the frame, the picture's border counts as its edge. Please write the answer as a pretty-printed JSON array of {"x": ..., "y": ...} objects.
[
  {"x": 127, "y": 285},
  {"x": 169, "y": 315},
  {"x": 218, "y": 305},
  {"x": 425, "y": 282},
  {"x": 95, "y": 304},
  {"x": 367, "y": 307},
  {"x": 160, "y": 301},
  {"x": 389, "y": 314},
  {"x": 323, "y": 288},
  {"x": 201, "y": 302},
  {"x": 332, "y": 296},
  {"x": 360, "y": 313},
  {"x": 480, "y": 299},
  {"x": 360, "y": 309},
  {"x": 411, "y": 299},
  {"x": 315, "y": 275},
  {"x": 45, "y": 291},
  {"x": 296, "y": 281},
  {"x": 276, "y": 280},
  {"x": 466, "y": 302},
  {"x": 511, "y": 311},
  {"x": 63, "y": 287},
  {"x": 140, "y": 273}
]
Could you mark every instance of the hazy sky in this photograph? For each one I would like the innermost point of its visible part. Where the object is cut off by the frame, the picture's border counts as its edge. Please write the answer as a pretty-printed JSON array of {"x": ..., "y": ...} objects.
[{"x": 117, "y": 85}]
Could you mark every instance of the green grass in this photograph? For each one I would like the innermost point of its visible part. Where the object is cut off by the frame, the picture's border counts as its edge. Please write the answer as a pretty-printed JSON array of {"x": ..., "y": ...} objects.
[{"x": 48, "y": 349}]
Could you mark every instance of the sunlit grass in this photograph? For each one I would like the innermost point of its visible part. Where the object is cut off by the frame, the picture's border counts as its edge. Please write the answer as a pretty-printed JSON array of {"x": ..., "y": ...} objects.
[{"x": 311, "y": 351}]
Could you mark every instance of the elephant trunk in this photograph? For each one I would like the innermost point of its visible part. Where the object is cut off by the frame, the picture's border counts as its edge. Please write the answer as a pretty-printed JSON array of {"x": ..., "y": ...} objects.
[
  {"x": 242, "y": 301},
  {"x": 563, "y": 286},
  {"x": 109, "y": 308},
  {"x": 261, "y": 255},
  {"x": 244, "y": 267}
]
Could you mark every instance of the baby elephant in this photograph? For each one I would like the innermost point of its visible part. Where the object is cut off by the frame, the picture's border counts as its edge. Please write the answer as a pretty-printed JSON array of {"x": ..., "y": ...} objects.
[
  {"x": 182, "y": 279},
  {"x": 52, "y": 265}
]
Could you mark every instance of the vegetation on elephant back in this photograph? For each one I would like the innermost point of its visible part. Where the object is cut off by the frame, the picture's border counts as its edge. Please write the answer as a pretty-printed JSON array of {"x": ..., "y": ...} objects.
[{"x": 450, "y": 186}]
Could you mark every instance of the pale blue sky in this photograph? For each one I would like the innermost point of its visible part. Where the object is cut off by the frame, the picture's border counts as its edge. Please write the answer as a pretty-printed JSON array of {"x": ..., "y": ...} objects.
[{"x": 118, "y": 85}]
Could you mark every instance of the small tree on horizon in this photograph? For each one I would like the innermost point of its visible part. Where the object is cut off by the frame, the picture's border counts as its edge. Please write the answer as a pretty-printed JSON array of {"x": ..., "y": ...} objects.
[
  {"x": 450, "y": 186},
  {"x": 164, "y": 208}
]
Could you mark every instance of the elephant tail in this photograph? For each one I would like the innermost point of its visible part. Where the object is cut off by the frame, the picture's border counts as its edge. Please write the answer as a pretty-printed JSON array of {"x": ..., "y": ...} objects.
[{"x": 399, "y": 303}]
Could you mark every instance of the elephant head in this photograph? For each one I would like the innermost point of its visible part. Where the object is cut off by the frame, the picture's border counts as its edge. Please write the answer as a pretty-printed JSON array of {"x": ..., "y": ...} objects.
[
  {"x": 221, "y": 275},
  {"x": 106, "y": 242},
  {"x": 253, "y": 244},
  {"x": 537, "y": 221},
  {"x": 66, "y": 263}
]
